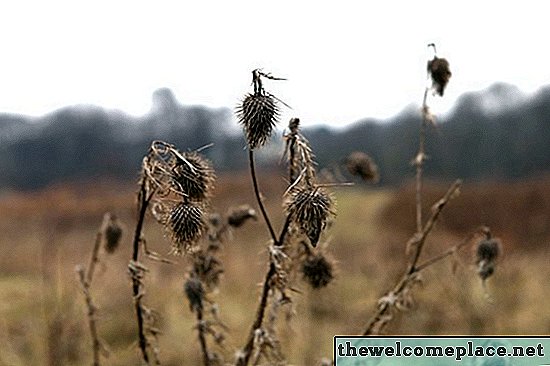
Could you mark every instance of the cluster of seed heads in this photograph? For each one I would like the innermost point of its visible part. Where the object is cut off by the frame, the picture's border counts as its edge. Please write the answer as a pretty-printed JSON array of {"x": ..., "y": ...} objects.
[
  {"x": 309, "y": 209},
  {"x": 183, "y": 183},
  {"x": 317, "y": 270},
  {"x": 361, "y": 165},
  {"x": 487, "y": 253}
]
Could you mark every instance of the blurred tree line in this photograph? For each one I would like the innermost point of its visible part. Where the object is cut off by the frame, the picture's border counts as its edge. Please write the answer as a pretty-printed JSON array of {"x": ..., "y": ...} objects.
[{"x": 497, "y": 133}]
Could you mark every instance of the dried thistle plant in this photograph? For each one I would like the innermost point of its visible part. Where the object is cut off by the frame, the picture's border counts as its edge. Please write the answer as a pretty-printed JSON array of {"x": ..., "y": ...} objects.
[
  {"x": 109, "y": 234},
  {"x": 180, "y": 185},
  {"x": 401, "y": 296}
]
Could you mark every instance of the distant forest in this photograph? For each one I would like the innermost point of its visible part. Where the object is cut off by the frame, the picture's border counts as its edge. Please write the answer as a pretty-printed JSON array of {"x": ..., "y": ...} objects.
[{"x": 497, "y": 133}]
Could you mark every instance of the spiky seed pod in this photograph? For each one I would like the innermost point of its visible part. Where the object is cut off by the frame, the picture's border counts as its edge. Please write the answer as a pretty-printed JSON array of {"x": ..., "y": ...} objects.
[
  {"x": 195, "y": 293},
  {"x": 239, "y": 215},
  {"x": 207, "y": 268},
  {"x": 360, "y": 164},
  {"x": 185, "y": 225},
  {"x": 438, "y": 68},
  {"x": 194, "y": 176},
  {"x": 258, "y": 113},
  {"x": 111, "y": 232},
  {"x": 317, "y": 270},
  {"x": 487, "y": 253},
  {"x": 309, "y": 209}
]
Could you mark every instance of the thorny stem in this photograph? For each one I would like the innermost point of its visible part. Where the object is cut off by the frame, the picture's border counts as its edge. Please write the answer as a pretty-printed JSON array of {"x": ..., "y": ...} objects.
[
  {"x": 418, "y": 239},
  {"x": 202, "y": 338},
  {"x": 143, "y": 203},
  {"x": 258, "y": 195}
]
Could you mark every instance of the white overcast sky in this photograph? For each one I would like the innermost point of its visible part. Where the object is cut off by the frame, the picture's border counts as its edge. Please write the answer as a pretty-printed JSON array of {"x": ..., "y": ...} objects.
[{"x": 345, "y": 60}]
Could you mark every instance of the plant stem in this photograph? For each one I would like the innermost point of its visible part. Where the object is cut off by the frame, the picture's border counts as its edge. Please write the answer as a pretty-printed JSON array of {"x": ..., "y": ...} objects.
[
  {"x": 247, "y": 350},
  {"x": 94, "y": 259},
  {"x": 258, "y": 195},
  {"x": 85, "y": 278},
  {"x": 419, "y": 162},
  {"x": 202, "y": 338},
  {"x": 143, "y": 203}
]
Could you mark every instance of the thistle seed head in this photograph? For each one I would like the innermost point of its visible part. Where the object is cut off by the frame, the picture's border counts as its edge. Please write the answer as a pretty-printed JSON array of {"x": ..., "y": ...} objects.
[
  {"x": 239, "y": 215},
  {"x": 487, "y": 252},
  {"x": 309, "y": 209},
  {"x": 317, "y": 270},
  {"x": 258, "y": 113},
  {"x": 185, "y": 225},
  {"x": 361, "y": 165},
  {"x": 111, "y": 232},
  {"x": 194, "y": 176},
  {"x": 438, "y": 68},
  {"x": 195, "y": 293}
]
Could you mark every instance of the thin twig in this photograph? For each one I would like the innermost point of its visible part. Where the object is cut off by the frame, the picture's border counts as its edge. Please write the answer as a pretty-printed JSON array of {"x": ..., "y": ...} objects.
[
  {"x": 93, "y": 259},
  {"x": 419, "y": 239},
  {"x": 450, "y": 251},
  {"x": 96, "y": 344},
  {"x": 202, "y": 337},
  {"x": 85, "y": 277},
  {"x": 379, "y": 318},
  {"x": 419, "y": 163},
  {"x": 258, "y": 195}
]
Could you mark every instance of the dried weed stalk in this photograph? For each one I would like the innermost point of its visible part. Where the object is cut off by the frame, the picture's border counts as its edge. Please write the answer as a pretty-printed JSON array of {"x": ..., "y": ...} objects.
[
  {"x": 401, "y": 296},
  {"x": 308, "y": 207},
  {"x": 109, "y": 235},
  {"x": 180, "y": 185}
]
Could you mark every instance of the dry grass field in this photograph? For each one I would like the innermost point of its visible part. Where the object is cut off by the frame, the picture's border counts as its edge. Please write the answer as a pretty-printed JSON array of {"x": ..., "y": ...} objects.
[{"x": 45, "y": 234}]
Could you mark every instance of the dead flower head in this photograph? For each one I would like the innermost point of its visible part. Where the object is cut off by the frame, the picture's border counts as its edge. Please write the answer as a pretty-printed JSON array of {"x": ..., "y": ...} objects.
[
  {"x": 310, "y": 208},
  {"x": 194, "y": 176},
  {"x": 317, "y": 270},
  {"x": 361, "y": 165},
  {"x": 258, "y": 114},
  {"x": 487, "y": 253},
  {"x": 195, "y": 293},
  {"x": 111, "y": 232},
  {"x": 239, "y": 215},
  {"x": 185, "y": 225},
  {"x": 438, "y": 68}
]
